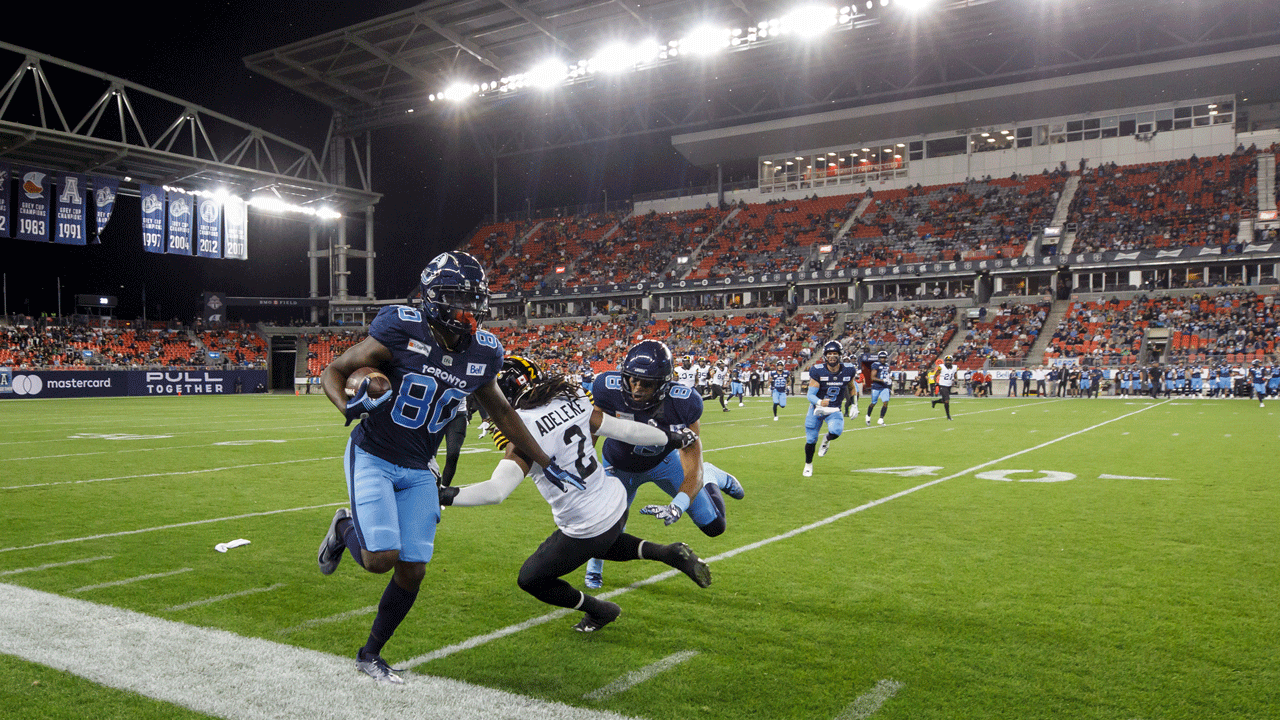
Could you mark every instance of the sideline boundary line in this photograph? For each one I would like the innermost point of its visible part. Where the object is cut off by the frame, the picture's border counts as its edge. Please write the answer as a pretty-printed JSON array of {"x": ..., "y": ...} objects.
[{"x": 533, "y": 622}]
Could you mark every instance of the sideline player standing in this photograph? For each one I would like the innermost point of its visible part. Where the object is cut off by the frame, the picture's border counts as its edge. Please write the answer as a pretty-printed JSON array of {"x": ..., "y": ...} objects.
[
  {"x": 735, "y": 383},
  {"x": 1258, "y": 376},
  {"x": 589, "y": 522},
  {"x": 778, "y": 380},
  {"x": 435, "y": 355},
  {"x": 641, "y": 390},
  {"x": 829, "y": 383},
  {"x": 851, "y": 402},
  {"x": 946, "y": 380},
  {"x": 718, "y": 378},
  {"x": 879, "y": 386}
]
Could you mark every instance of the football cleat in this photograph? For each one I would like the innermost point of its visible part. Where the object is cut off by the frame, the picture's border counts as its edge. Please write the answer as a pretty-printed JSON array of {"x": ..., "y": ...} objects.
[
  {"x": 740, "y": 405},
  {"x": 733, "y": 488},
  {"x": 594, "y": 580},
  {"x": 378, "y": 669},
  {"x": 332, "y": 546},
  {"x": 826, "y": 445},
  {"x": 688, "y": 562},
  {"x": 868, "y": 421},
  {"x": 592, "y": 623},
  {"x": 775, "y": 418},
  {"x": 879, "y": 421},
  {"x": 484, "y": 429},
  {"x": 808, "y": 470}
]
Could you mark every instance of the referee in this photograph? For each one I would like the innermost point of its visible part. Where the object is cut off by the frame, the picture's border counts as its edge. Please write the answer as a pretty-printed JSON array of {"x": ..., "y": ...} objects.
[{"x": 946, "y": 378}]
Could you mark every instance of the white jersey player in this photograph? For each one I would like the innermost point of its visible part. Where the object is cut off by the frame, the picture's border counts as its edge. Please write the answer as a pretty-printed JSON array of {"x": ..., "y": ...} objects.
[
  {"x": 686, "y": 374},
  {"x": 589, "y": 521}
]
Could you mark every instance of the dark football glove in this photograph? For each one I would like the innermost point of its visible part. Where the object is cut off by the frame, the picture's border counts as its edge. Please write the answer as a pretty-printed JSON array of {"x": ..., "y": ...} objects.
[
  {"x": 362, "y": 406},
  {"x": 560, "y": 477},
  {"x": 680, "y": 439},
  {"x": 447, "y": 494}
]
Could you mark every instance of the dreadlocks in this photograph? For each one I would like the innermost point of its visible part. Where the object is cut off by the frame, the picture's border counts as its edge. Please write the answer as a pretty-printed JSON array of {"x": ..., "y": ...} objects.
[{"x": 543, "y": 390}]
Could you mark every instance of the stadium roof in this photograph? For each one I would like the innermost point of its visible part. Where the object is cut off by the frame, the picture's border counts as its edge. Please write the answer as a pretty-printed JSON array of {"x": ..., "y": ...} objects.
[
  {"x": 386, "y": 70},
  {"x": 62, "y": 116}
]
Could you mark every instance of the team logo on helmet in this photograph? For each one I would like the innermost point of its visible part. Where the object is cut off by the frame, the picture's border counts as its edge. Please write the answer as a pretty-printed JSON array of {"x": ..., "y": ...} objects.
[{"x": 455, "y": 292}]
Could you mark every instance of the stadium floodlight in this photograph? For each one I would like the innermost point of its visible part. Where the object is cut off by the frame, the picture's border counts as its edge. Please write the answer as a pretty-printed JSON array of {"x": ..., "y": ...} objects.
[
  {"x": 913, "y": 6},
  {"x": 456, "y": 92},
  {"x": 620, "y": 57},
  {"x": 547, "y": 73},
  {"x": 328, "y": 214},
  {"x": 809, "y": 21},
  {"x": 705, "y": 40}
]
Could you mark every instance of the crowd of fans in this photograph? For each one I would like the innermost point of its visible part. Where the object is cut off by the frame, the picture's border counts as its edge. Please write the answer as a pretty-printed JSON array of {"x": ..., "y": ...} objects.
[
  {"x": 1191, "y": 202},
  {"x": 116, "y": 346}
]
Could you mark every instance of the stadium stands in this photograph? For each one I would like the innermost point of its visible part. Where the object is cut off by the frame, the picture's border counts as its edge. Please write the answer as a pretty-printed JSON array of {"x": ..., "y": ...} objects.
[{"x": 1189, "y": 202}]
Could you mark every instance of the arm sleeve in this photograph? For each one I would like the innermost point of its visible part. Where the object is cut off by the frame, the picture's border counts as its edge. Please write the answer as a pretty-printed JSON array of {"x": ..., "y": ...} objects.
[
  {"x": 631, "y": 432},
  {"x": 813, "y": 395},
  {"x": 505, "y": 478}
]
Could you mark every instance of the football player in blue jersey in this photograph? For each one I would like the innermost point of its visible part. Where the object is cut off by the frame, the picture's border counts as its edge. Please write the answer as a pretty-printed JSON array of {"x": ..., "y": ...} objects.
[
  {"x": 435, "y": 356},
  {"x": 830, "y": 382},
  {"x": 1258, "y": 377},
  {"x": 778, "y": 380},
  {"x": 879, "y": 386},
  {"x": 642, "y": 390},
  {"x": 1273, "y": 385},
  {"x": 736, "y": 383}
]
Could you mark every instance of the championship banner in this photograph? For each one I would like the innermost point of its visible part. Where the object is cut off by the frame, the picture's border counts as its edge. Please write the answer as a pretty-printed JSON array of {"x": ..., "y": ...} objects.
[
  {"x": 235, "y": 225},
  {"x": 32, "y": 217},
  {"x": 104, "y": 199},
  {"x": 181, "y": 210},
  {"x": 208, "y": 238},
  {"x": 70, "y": 229},
  {"x": 5, "y": 229},
  {"x": 152, "y": 218}
]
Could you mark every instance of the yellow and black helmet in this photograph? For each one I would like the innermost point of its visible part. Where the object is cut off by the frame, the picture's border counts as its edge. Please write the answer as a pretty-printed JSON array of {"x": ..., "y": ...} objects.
[{"x": 517, "y": 374}]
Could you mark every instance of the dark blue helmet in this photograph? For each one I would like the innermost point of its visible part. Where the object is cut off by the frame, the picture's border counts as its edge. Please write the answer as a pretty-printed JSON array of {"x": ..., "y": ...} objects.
[
  {"x": 648, "y": 364},
  {"x": 832, "y": 347},
  {"x": 882, "y": 355},
  {"x": 455, "y": 292}
]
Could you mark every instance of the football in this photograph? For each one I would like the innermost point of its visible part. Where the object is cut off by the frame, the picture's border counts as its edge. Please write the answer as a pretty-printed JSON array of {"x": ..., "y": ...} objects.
[{"x": 378, "y": 382}]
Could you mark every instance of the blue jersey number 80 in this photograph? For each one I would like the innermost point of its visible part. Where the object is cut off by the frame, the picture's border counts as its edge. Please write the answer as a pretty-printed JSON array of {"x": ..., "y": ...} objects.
[{"x": 417, "y": 401}]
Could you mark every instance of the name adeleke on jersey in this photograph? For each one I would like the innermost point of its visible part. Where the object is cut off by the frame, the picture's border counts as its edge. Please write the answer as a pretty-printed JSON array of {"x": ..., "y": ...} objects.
[{"x": 561, "y": 415}]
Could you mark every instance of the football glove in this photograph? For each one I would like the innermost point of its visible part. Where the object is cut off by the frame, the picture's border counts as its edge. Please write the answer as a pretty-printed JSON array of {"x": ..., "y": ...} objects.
[
  {"x": 559, "y": 477},
  {"x": 447, "y": 494},
  {"x": 362, "y": 406},
  {"x": 680, "y": 439},
  {"x": 666, "y": 513}
]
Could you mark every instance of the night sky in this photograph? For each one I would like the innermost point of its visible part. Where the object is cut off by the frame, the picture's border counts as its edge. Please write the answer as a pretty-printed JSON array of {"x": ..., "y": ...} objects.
[{"x": 435, "y": 179}]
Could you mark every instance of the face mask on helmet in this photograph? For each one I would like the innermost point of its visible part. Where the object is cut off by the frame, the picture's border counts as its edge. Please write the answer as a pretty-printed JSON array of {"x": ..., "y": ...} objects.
[
  {"x": 455, "y": 293},
  {"x": 516, "y": 376}
]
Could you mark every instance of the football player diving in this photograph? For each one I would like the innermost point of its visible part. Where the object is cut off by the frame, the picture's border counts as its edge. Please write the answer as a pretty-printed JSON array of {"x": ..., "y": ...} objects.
[
  {"x": 590, "y": 522},
  {"x": 435, "y": 356},
  {"x": 642, "y": 390}
]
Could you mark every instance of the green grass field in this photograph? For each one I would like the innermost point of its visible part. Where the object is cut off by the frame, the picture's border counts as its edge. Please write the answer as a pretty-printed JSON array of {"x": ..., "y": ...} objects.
[{"x": 942, "y": 586}]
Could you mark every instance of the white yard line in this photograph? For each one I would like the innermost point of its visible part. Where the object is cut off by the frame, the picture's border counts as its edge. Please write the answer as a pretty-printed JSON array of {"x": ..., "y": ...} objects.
[
  {"x": 155, "y": 449},
  {"x": 132, "y": 580},
  {"x": 167, "y": 474},
  {"x": 220, "y": 598},
  {"x": 635, "y": 677},
  {"x": 46, "y": 566},
  {"x": 176, "y": 434},
  {"x": 330, "y": 619},
  {"x": 866, "y": 705},
  {"x": 228, "y": 676},
  {"x": 169, "y": 527},
  {"x": 534, "y": 622}
]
